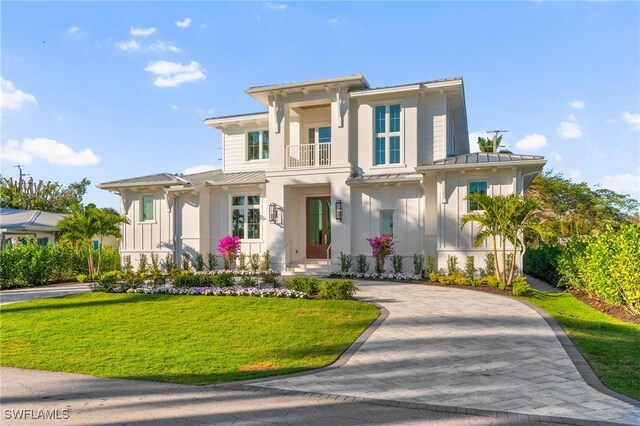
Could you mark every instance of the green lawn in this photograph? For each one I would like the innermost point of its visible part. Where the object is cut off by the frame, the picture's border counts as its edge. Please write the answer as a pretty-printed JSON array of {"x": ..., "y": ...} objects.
[
  {"x": 611, "y": 346},
  {"x": 182, "y": 339}
]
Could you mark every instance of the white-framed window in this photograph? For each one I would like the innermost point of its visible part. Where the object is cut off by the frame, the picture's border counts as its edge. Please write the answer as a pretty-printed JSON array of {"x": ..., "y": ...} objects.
[
  {"x": 477, "y": 186},
  {"x": 258, "y": 145},
  {"x": 386, "y": 136},
  {"x": 386, "y": 222},
  {"x": 147, "y": 208},
  {"x": 245, "y": 216}
]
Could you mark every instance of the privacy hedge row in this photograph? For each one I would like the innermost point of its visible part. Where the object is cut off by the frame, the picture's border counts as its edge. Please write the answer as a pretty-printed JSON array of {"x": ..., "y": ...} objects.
[
  {"x": 204, "y": 280},
  {"x": 30, "y": 264},
  {"x": 606, "y": 265},
  {"x": 330, "y": 289},
  {"x": 542, "y": 263}
]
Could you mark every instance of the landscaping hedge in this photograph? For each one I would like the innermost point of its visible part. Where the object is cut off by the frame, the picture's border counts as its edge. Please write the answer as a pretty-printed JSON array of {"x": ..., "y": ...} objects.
[
  {"x": 204, "y": 280},
  {"x": 542, "y": 263},
  {"x": 330, "y": 289}
]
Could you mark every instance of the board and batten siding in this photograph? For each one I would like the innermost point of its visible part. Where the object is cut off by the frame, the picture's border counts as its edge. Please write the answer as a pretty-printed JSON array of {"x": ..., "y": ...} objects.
[
  {"x": 432, "y": 128},
  {"x": 234, "y": 156},
  {"x": 138, "y": 236}
]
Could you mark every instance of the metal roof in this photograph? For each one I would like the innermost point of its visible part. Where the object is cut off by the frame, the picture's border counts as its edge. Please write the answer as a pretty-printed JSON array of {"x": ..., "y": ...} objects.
[
  {"x": 248, "y": 114},
  {"x": 155, "y": 179},
  {"x": 384, "y": 178},
  {"x": 440, "y": 80},
  {"x": 487, "y": 157},
  {"x": 239, "y": 178},
  {"x": 29, "y": 220}
]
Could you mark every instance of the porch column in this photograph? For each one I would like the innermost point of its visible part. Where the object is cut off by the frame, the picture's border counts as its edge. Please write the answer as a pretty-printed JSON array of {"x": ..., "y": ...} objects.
[
  {"x": 340, "y": 231},
  {"x": 274, "y": 232}
]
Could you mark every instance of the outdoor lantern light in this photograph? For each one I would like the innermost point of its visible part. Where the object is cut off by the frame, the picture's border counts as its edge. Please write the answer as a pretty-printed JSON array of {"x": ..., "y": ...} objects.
[
  {"x": 273, "y": 213},
  {"x": 339, "y": 210}
]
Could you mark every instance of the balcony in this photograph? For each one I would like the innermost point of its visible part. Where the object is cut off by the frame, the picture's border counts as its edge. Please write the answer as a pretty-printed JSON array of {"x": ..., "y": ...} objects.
[{"x": 309, "y": 155}]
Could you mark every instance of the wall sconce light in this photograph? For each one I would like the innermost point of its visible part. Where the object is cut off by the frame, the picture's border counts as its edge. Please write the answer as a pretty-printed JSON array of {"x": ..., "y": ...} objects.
[
  {"x": 273, "y": 213},
  {"x": 339, "y": 210}
]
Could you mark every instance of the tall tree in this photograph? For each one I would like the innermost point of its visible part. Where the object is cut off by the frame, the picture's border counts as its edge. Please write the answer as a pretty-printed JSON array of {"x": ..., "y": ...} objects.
[
  {"x": 486, "y": 145},
  {"x": 503, "y": 218},
  {"x": 80, "y": 227},
  {"x": 47, "y": 196}
]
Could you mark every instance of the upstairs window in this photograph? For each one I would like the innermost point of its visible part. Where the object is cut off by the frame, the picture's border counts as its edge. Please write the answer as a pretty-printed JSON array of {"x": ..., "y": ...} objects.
[
  {"x": 386, "y": 144},
  {"x": 258, "y": 145},
  {"x": 147, "y": 208},
  {"x": 245, "y": 216},
  {"x": 477, "y": 186}
]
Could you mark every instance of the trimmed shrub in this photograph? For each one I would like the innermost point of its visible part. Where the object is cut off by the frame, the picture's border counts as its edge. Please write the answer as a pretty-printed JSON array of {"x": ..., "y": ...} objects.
[
  {"x": 521, "y": 287},
  {"x": 418, "y": 264},
  {"x": 271, "y": 279},
  {"x": 452, "y": 265},
  {"x": 247, "y": 282},
  {"x": 362, "y": 266},
  {"x": 396, "y": 261},
  {"x": 307, "y": 285},
  {"x": 337, "y": 289},
  {"x": 489, "y": 264},
  {"x": 542, "y": 263},
  {"x": 431, "y": 264},
  {"x": 345, "y": 262},
  {"x": 469, "y": 267},
  {"x": 198, "y": 263},
  {"x": 204, "y": 280}
]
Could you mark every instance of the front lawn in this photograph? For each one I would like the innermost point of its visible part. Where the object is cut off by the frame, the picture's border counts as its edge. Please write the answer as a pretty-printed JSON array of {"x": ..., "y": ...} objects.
[
  {"x": 192, "y": 340},
  {"x": 611, "y": 346}
]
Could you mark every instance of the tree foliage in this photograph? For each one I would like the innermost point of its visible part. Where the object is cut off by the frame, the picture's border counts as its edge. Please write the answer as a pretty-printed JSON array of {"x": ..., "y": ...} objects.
[
  {"x": 575, "y": 209},
  {"x": 47, "y": 196},
  {"x": 486, "y": 145}
]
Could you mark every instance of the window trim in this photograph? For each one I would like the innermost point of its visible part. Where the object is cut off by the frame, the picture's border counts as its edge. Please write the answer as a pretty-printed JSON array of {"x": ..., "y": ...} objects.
[
  {"x": 245, "y": 208},
  {"x": 153, "y": 208},
  {"x": 469, "y": 206},
  {"x": 388, "y": 134},
  {"x": 261, "y": 132}
]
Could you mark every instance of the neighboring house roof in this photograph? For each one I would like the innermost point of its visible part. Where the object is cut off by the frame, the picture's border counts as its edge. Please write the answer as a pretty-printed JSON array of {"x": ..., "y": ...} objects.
[
  {"x": 12, "y": 220},
  {"x": 387, "y": 178}
]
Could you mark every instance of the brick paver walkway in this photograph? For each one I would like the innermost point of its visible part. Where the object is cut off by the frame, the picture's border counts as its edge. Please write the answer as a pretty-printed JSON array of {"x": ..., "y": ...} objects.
[{"x": 452, "y": 347}]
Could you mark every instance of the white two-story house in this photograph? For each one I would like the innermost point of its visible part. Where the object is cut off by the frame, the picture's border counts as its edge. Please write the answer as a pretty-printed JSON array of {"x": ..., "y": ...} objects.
[{"x": 328, "y": 164}]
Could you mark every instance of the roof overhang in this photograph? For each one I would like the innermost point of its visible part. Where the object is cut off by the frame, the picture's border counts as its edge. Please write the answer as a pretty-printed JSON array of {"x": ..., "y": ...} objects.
[
  {"x": 262, "y": 93},
  {"x": 381, "y": 180},
  {"x": 478, "y": 166},
  {"x": 221, "y": 123}
]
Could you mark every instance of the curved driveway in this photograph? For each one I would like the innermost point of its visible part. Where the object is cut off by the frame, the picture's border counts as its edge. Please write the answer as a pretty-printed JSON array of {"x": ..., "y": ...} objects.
[{"x": 453, "y": 347}]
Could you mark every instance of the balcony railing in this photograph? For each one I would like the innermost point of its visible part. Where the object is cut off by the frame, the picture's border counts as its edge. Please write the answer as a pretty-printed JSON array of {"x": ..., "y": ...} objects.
[{"x": 309, "y": 155}]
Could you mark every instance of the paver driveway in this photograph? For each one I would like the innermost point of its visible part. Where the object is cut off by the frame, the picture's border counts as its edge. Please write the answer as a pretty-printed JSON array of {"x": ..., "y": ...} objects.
[{"x": 451, "y": 347}]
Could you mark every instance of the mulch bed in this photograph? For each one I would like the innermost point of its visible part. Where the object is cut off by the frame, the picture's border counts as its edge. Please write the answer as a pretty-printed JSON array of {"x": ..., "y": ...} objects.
[{"x": 611, "y": 310}]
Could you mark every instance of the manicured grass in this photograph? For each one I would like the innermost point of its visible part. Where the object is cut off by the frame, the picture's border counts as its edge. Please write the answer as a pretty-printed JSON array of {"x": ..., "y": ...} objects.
[
  {"x": 182, "y": 339},
  {"x": 611, "y": 346}
]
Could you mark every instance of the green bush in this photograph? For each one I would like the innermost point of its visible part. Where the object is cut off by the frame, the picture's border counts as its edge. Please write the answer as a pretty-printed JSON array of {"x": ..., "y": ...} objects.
[
  {"x": 345, "y": 262},
  {"x": 542, "y": 263},
  {"x": 81, "y": 278},
  {"x": 246, "y": 282},
  {"x": 418, "y": 264},
  {"x": 110, "y": 277},
  {"x": 521, "y": 287},
  {"x": 396, "y": 261},
  {"x": 492, "y": 281},
  {"x": 337, "y": 289},
  {"x": 270, "y": 279},
  {"x": 362, "y": 266},
  {"x": 204, "y": 280},
  {"x": 309, "y": 285},
  {"x": 469, "y": 267},
  {"x": 452, "y": 264},
  {"x": 489, "y": 264}
]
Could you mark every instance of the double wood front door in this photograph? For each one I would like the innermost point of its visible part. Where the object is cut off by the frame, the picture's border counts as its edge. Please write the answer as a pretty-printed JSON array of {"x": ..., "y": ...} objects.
[{"x": 318, "y": 227}]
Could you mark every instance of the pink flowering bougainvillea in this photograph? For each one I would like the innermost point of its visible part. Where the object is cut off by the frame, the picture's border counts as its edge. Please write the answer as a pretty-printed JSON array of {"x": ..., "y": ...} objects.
[
  {"x": 381, "y": 248},
  {"x": 228, "y": 247}
]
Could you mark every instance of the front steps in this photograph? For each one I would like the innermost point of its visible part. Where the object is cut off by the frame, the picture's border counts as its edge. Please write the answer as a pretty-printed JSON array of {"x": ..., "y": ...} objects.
[{"x": 309, "y": 267}]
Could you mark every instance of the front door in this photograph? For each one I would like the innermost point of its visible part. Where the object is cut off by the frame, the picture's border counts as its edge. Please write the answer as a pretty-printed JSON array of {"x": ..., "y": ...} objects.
[{"x": 318, "y": 227}]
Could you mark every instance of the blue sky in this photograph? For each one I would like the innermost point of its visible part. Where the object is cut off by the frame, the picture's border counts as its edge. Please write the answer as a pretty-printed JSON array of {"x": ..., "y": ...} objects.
[{"x": 115, "y": 90}]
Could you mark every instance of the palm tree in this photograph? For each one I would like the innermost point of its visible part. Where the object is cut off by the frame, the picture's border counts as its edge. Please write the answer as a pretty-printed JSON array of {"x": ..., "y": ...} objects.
[
  {"x": 486, "y": 145},
  {"x": 108, "y": 225},
  {"x": 80, "y": 227},
  {"x": 506, "y": 218}
]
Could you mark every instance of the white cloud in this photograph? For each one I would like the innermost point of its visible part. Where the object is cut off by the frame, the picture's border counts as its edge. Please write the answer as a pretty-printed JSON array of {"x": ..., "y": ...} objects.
[
  {"x": 162, "y": 46},
  {"x": 569, "y": 130},
  {"x": 274, "y": 6},
  {"x": 623, "y": 183},
  {"x": 173, "y": 106},
  {"x": 209, "y": 111},
  {"x": 574, "y": 174},
  {"x": 576, "y": 104},
  {"x": 12, "y": 98},
  {"x": 128, "y": 45},
  {"x": 333, "y": 21},
  {"x": 557, "y": 157},
  {"x": 48, "y": 150},
  {"x": 172, "y": 74},
  {"x": 184, "y": 23},
  {"x": 632, "y": 119},
  {"x": 74, "y": 30},
  {"x": 142, "y": 32},
  {"x": 532, "y": 142},
  {"x": 198, "y": 169},
  {"x": 473, "y": 141}
]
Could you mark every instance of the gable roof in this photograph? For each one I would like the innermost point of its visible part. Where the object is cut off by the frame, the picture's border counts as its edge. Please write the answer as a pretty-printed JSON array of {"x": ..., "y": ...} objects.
[{"x": 29, "y": 220}]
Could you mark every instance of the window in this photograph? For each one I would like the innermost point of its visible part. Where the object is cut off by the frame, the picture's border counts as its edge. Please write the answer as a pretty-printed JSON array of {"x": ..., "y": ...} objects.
[
  {"x": 386, "y": 146},
  {"x": 245, "y": 216},
  {"x": 477, "y": 186},
  {"x": 147, "y": 208},
  {"x": 258, "y": 145},
  {"x": 386, "y": 222}
]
